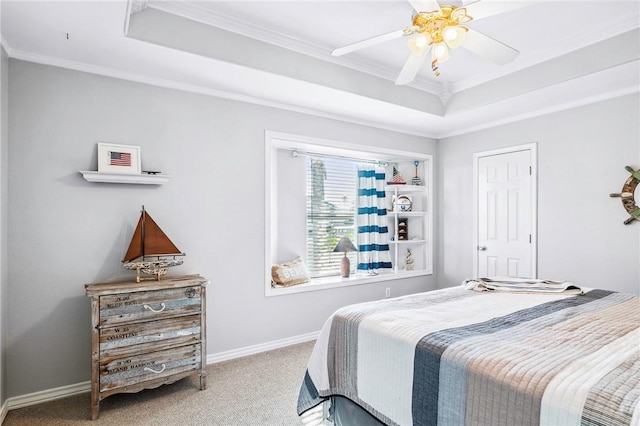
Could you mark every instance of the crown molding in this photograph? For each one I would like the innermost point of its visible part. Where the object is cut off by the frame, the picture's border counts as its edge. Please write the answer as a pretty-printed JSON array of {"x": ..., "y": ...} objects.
[
  {"x": 197, "y": 13},
  {"x": 137, "y": 6},
  {"x": 444, "y": 91},
  {"x": 601, "y": 97},
  {"x": 133, "y": 7},
  {"x": 7, "y": 48},
  {"x": 218, "y": 93},
  {"x": 587, "y": 38},
  {"x": 426, "y": 125},
  {"x": 563, "y": 94}
]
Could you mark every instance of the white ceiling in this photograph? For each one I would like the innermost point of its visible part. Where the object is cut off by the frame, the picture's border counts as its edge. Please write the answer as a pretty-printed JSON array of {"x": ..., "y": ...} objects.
[{"x": 278, "y": 53}]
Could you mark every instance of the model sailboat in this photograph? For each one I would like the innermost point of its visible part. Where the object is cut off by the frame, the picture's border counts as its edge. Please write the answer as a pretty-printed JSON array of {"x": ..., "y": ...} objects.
[{"x": 150, "y": 250}]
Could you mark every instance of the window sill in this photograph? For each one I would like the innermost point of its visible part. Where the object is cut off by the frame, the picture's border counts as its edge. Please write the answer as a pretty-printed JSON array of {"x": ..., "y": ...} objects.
[{"x": 337, "y": 282}]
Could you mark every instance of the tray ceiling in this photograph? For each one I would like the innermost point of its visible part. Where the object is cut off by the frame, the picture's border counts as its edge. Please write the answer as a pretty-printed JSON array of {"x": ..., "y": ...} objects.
[{"x": 278, "y": 53}]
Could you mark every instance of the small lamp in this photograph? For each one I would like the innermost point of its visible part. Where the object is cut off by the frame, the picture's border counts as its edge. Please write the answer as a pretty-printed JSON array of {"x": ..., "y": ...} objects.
[{"x": 345, "y": 245}]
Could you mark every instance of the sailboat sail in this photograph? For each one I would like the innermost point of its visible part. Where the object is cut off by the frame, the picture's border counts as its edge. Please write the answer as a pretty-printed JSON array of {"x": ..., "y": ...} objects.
[
  {"x": 149, "y": 240},
  {"x": 135, "y": 249}
]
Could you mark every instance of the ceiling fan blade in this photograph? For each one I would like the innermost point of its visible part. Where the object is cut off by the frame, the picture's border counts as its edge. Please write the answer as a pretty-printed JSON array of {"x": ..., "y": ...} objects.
[
  {"x": 372, "y": 41},
  {"x": 486, "y": 47},
  {"x": 425, "y": 5},
  {"x": 411, "y": 67},
  {"x": 485, "y": 8}
]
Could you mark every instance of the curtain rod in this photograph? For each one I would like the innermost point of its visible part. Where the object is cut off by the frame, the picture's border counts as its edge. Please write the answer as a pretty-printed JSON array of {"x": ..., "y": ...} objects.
[{"x": 295, "y": 153}]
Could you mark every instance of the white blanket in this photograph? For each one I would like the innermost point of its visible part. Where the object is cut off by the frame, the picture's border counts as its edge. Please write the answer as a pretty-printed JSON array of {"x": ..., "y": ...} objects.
[{"x": 521, "y": 285}]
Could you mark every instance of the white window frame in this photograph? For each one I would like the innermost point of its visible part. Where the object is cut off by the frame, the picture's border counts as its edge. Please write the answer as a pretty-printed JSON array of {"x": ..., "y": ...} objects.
[{"x": 275, "y": 141}]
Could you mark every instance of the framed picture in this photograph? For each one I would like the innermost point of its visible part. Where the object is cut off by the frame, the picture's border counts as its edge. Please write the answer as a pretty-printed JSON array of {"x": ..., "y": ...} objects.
[{"x": 119, "y": 159}]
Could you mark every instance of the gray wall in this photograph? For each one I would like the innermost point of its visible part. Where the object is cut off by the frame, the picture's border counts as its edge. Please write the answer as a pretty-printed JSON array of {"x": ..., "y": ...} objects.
[
  {"x": 581, "y": 156},
  {"x": 65, "y": 232},
  {"x": 4, "y": 98}
]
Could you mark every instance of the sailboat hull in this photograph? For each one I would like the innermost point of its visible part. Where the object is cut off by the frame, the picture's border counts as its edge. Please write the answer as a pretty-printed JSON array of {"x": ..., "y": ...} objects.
[{"x": 156, "y": 268}]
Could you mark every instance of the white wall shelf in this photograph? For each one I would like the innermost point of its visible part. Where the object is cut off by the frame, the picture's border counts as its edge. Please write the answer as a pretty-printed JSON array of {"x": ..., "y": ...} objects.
[
  {"x": 406, "y": 188},
  {"x": 408, "y": 242},
  {"x": 411, "y": 213},
  {"x": 140, "y": 179},
  {"x": 411, "y": 230}
]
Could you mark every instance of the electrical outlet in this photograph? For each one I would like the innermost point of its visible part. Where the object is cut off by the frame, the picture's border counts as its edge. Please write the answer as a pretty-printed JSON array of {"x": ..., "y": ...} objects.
[{"x": 387, "y": 292}]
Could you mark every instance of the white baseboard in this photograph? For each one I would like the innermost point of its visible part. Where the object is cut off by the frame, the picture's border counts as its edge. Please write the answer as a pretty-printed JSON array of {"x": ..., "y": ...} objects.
[
  {"x": 65, "y": 391},
  {"x": 263, "y": 347},
  {"x": 47, "y": 395},
  {"x": 3, "y": 412}
]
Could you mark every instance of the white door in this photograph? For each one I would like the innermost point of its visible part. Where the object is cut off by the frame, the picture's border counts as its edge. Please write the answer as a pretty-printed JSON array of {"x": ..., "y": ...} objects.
[{"x": 505, "y": 241}]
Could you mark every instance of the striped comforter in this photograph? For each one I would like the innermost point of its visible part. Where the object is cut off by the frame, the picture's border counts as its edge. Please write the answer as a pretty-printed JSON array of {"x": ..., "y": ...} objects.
[{"x": 459, "y": 357}]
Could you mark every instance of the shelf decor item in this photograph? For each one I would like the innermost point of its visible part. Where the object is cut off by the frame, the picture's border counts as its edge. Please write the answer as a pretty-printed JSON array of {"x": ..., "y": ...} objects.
[
  {"x": 403, "y": 229},
  {"x": 149, "y": 242},
  {"x": 628, "y": 195},
  {"x": 119, "y": 159},
  {"x": 397, "y": 178},
  {"x": 416, "y": 180},
  {"x": 402, "y": 203},
  {"x": 408, "y": 260},
  {"x": 345, "y": 245}
]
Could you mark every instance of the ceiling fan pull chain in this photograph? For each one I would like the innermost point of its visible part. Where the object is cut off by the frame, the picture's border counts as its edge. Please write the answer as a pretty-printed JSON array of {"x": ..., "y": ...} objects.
[{"x": 434, "y": 67}]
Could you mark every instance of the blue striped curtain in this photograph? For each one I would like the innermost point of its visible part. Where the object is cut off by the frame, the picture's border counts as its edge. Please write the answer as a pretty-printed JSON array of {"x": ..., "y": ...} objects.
[{"x": 373, "y": 229}]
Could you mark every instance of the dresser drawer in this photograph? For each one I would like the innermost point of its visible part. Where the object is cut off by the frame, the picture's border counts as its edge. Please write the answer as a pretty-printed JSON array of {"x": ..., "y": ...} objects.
[
  {"x": 136, "y": 369},
  {"x": 149, "y": 305},
  {"x": 150, "y": 335}
]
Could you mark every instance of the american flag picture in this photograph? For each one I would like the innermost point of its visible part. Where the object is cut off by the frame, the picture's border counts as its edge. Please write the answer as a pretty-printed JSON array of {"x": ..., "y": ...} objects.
[{"x": 119, "y": 158}]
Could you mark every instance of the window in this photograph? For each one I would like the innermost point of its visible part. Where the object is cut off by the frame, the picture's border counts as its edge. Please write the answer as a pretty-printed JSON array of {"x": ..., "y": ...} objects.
[
  {"x": 311, "y": 202},
  {"x": 331, "y": 211}
]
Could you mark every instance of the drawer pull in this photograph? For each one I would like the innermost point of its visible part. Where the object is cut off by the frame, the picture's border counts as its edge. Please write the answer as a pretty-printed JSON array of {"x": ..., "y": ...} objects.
[
  {"x": 162, "y": 306},
  {"x": 156, "y": 371}
]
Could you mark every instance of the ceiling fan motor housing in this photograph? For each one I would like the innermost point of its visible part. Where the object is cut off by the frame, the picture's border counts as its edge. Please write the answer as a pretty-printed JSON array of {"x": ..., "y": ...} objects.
[{"x": 434, "y": 22}]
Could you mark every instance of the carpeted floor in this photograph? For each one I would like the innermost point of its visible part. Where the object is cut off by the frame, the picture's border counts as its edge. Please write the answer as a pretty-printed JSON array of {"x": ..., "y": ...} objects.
[{"x": 260, "y": 390}]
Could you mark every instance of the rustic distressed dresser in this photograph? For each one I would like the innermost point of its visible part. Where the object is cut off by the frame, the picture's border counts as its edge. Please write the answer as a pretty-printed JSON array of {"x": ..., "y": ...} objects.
[{"x": 146, "y": 334}]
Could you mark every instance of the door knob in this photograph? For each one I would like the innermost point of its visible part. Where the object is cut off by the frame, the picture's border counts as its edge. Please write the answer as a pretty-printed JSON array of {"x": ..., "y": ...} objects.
[{"x": 482, "y": 248}]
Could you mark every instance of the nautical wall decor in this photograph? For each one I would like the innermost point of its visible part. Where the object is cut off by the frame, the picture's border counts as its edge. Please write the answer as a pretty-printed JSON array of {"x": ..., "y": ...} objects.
[{"x": 628, "y": 195}]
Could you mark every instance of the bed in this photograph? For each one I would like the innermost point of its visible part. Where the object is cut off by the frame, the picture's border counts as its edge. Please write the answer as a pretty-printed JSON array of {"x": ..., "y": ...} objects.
[{"x": 461, "y": 357}]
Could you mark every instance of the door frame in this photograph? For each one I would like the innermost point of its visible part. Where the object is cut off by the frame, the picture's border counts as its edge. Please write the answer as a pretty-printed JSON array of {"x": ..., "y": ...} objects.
[{"x": 533, "y": 148}]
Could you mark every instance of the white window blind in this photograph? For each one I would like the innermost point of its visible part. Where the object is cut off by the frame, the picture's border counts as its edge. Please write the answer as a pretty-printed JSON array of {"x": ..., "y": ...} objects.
[{"x": 331, "y": 212}]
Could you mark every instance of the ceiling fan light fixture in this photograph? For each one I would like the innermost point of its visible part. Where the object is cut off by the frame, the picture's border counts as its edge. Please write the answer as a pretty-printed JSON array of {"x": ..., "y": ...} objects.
[
  {"x": 454, "y": 35},
  {"x": 460, "y": 15},
  {"x": 419, "y": 43},
  {"x": 440, "y": 27},
  {"x": 439, "y": 53}
]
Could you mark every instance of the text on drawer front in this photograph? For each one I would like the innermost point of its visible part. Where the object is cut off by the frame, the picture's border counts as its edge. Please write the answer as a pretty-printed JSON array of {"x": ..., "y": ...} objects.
[
  {"x": 115, "y": 341},
  {"x": 151, "y": 307},
  {"x": 123, "y": 370},
  {"x": 151, "y": 298}
]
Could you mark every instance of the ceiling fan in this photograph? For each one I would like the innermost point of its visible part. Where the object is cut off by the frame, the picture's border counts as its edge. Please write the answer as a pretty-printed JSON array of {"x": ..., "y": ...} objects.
[{"x": 440, "y": 28}]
